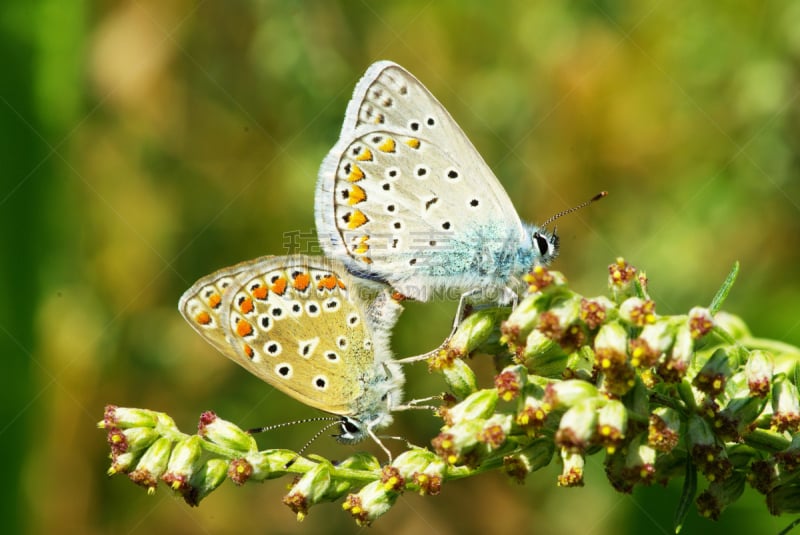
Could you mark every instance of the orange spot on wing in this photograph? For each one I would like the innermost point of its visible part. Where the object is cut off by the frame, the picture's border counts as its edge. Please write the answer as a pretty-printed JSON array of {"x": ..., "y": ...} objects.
[
  {"x": 356, "y": 174},
  {"x": 301, "y": 281},
  {"x": 243, "y": 328},
  {"x": 279, "y": 286},
  {"x": 356, "y": 195},
  {"x": 340, "y": 283},
  {"x": 329, "y": 283},
  {"x": 260, "y": 292},
  {"x": 248, "y": 351},
  {"x": 203, "y": 318},
  {"x": 246, "y": 305},
  {"x": 366, "y": 259},
  {"x": 387, "y": 146},
  {"x": 362, "y": 246},
  {"x": 397, "y": 296},
  {"x": 414, "y": 143},
  {"x": 214, "y": 300},
  {"x": 357, "y": 218},
  {"x": 365, "y": 155}
]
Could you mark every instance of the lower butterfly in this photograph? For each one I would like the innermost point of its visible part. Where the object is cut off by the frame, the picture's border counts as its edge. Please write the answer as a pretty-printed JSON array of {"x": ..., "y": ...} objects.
[{"x": 310, "y": 329}]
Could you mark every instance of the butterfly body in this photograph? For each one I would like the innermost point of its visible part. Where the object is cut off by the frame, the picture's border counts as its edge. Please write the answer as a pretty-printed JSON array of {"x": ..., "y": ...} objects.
[
  {"x": 404, "y": 198},
  {"x": 310, "y": 329}
]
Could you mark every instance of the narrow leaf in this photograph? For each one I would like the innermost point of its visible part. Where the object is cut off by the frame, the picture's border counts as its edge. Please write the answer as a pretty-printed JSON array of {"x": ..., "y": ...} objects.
[
  {"x": 687, "y": 496},
  {"x": 722, "y": 294}
]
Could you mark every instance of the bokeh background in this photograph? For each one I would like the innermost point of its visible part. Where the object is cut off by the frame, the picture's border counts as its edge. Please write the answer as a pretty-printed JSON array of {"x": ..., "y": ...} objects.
[{"x": 147, "y": 143}]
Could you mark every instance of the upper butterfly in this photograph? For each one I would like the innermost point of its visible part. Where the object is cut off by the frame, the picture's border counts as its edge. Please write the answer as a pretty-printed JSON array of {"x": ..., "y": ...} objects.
[
  {"x": 403, "y": 197},
  {"x": 308, "y": 328}
]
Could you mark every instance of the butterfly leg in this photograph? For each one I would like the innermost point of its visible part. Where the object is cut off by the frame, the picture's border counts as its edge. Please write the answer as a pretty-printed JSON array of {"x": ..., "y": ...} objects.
[
  {"x": 381, "y": 444},
  {"x": 415, "y": 404},
  {"x": 408, "y": 443}
]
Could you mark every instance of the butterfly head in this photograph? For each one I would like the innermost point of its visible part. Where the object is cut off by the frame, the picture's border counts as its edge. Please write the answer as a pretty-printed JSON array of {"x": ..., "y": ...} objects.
[
  {"x": 374, "y": 410},
  {"x": 545, "y": 245}
]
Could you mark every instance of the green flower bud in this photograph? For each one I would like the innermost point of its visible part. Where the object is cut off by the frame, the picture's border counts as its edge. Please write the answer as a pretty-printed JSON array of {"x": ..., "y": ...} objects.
[
  {"x": 622, "y": 280},
  {"x": 225, "y": 433},
  {"x": 706, "y": 450},
  {"x": 673, "y": 368},
  {"x": 572, "y": 470},
  {"x": 152, "y": 465},
  {"x": 532, "y": 411},
  {"x": 430, "y": 479},
  {"x": 371, "y": 502},
  {"x": 738, "y": 415},
  {"x": 640, "y": 463},
  {"x": 206, "y": 480},
  {"x": 124, "y": 462},
  {"x": 579, "y": 364},
  {"x": 495, "y": 430},
  {"x": 566, "y": 394},
  {"x": 479, "y": 405},
  {"x": 611, "y": 359},
  {"x": 543, "y": 355},
  {"x": 392, "y": 479},
  {"x": 637, "y": 312},
  {"x": 759, "y": 369},
  {"x": 655, "y": 340},
  {"x": 452, "y": 444},
  {"x": 714, "y": 374},
  {"x": 124, "y": 418},
  {"x": 535, "y": 456},
  {"x": 663, "y": 431},
  {"x": 183, "y": 462},
  {"x": 460, "y": 378},
  {"x": 239, "y": 471},
  {"x": 700, "y": 322},
  {"x": 273, "y": 463},
  {"x": 309, "y": 490},
  {"x": 612, "y": 337},
  {"x": 577, "y": 426},
  {"x": 564, "y": 311},
  {"x": 510, "y": 382},
  {"x": 785, "y": 405},
  {"x": 596, "y": 311},
  {"x": 612, "y": 424},
  {"x": 524, "y": 318},
  {"x": 131, "y": 439},
  {"x": 540, "y": 279},
  {"x": 413, "y": 460},
  {"x": 475, "y": 330},
  {"x": 361, "y": 461}
]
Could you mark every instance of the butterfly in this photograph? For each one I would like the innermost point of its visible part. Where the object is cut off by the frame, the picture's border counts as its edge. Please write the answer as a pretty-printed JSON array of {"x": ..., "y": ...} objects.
[
  {"x": 309, "y": 328},
  {"x": 404, "y": 198}
]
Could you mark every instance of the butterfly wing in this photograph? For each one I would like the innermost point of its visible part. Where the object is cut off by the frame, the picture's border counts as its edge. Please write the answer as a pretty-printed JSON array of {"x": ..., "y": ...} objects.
[
  {"x": 295, "y": 322},
  {"x": 403, "y": 181}
]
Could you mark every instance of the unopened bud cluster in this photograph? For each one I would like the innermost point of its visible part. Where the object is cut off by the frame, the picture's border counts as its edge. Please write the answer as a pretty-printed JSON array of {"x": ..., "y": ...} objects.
[
  {"x": 659, "y": 396},
  {"x": 653, "y": 394},
  {"x": 148, "y": 447}
]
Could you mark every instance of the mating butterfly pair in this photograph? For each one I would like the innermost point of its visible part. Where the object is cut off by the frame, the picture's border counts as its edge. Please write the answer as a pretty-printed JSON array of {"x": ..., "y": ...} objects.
[{"x": 404, "y": 203}]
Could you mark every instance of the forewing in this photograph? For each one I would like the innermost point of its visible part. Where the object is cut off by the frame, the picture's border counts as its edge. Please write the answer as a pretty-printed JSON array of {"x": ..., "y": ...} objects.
[{"x": 401, "y": 176}]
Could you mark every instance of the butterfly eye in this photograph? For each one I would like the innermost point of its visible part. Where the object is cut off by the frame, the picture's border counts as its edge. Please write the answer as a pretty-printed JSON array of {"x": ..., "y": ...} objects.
[
  {"x": 349, "y": 427},
  {"x": 541, "y": 243}
]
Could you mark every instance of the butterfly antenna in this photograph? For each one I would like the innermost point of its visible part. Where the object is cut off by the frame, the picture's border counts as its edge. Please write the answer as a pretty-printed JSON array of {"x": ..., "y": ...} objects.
[
  {"x": 286, "y": 424},
  {"x": 575, "y": 208},
  {"x": 312, "y": 439}
]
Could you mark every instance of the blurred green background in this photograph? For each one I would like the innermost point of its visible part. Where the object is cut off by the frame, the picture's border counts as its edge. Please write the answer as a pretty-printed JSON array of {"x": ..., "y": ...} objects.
[{"x": 147, "y": 143}]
